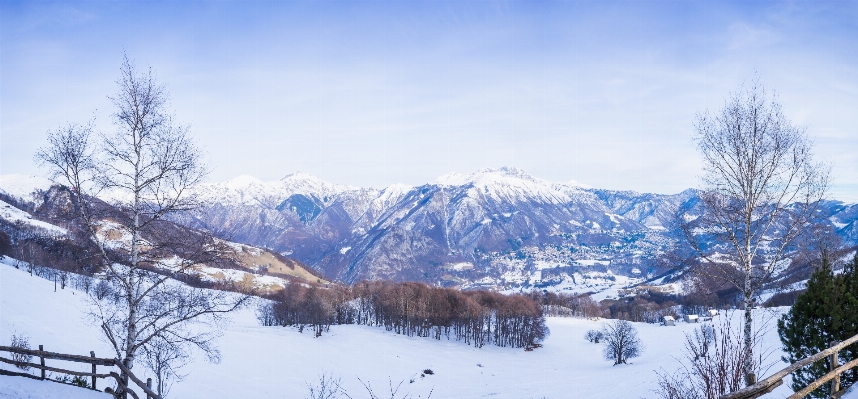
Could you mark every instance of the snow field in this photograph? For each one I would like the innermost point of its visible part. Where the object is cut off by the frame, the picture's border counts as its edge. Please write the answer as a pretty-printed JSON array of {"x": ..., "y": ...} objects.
[{"x": 277, "y": 362}]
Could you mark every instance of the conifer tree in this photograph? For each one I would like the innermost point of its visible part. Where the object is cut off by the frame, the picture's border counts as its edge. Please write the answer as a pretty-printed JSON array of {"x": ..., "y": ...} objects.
[{"x": 826, "y": 312}]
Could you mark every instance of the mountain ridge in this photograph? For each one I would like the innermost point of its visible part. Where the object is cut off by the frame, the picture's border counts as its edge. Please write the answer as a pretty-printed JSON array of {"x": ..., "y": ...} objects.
[
  {"x": 508, "y": 227},
  {"x": 499, "y": 228}
]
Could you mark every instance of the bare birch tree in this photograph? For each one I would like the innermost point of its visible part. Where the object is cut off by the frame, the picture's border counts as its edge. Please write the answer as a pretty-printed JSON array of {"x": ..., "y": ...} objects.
[
  {"x": 146, "y": 167},
  {"x": 760, "y": 188}
]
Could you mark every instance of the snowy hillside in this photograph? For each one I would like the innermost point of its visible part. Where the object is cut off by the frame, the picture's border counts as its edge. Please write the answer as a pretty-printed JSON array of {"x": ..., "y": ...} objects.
[
  {"x": 14, "y": 215},
  {"x": 248, "y": 267},
  {"x": 277, "y": 362}
]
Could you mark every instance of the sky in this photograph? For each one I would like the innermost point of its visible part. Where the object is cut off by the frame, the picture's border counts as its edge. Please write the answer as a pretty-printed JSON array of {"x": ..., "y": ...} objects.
[{"x": 383, "y": 92}]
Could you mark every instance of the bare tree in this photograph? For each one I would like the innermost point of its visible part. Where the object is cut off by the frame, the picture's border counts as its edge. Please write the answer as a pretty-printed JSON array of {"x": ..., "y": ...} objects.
[
  {"x": 328, "y": 387},
  {"x": 713, "y": 364},
  {"x": 393, "y": 390},
  {"x": 146, "y": 167},
  {"x": 164, "y": 359},
  {"x": 621, "y": 341},
  {"x": 760, "y": 188}
]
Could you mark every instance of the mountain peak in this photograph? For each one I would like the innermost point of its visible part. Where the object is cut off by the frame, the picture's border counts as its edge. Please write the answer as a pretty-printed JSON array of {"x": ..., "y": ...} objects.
[
  {"x": 576, "y": 183},
  {"x": 300, "y": 176},
  {"x": 243, "y": 181},
  {"x": 22, "y": 186},
  {"x": 459, "y": 179}
]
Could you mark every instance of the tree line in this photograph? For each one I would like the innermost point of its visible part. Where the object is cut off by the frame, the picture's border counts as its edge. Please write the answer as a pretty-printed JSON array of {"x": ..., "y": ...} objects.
[{"x": 414, "y": 309}]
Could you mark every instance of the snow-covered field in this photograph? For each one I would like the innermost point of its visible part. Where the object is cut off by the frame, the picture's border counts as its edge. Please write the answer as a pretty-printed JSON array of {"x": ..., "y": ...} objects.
[{"x": 277, "y": 362}]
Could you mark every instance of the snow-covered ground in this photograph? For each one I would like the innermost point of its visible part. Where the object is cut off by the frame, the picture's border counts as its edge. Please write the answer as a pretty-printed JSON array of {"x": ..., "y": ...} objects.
[
  {"x": 277, "y": 362},
  {"x": 26, "y": 388}
]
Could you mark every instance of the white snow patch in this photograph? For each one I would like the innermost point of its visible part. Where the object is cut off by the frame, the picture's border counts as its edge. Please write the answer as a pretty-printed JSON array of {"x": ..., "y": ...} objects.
[
  {"x": 541, "y": 264},
  {"x": 26, "y": 388},
  {"x": 107, "y": 230},
  {"x": 592, "y": 262},
  {"x": 15, "y": 215},
  {"x": 459, "y": 266}
]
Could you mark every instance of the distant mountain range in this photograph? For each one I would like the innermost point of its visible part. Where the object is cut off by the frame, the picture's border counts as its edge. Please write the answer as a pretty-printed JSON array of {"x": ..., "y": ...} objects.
[
  {"x": 495, "y": 228},
  {"x": 499, "y": 228}
]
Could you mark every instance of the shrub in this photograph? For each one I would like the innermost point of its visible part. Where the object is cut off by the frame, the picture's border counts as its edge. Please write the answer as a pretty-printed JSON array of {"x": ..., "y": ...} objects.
[
  {"x": 21, "y": 342},
  {"x": 594, "y": 336}
]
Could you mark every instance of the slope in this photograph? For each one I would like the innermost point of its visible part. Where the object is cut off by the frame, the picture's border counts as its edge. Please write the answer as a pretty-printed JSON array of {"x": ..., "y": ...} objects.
[{"x": 276, "y": 362}]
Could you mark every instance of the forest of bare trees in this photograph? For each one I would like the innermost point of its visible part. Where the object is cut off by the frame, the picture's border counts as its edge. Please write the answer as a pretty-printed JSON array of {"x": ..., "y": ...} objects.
[{"x": 415, "y": 309}]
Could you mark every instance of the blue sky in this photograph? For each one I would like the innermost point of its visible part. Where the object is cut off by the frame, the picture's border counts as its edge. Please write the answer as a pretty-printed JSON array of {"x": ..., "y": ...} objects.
[{"x": 375, "y": 93}]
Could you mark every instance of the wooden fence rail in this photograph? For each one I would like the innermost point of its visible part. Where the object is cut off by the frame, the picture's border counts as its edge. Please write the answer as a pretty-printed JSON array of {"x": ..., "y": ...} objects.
[
  {"x": 767, "y": 385},
  {"x": 91, "y": 359}
]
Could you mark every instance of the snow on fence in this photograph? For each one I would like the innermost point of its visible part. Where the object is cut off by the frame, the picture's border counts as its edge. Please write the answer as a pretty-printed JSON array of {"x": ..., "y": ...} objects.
[
  {"x": 767, "y": 385},
  {"x": 91, "y": 359}
]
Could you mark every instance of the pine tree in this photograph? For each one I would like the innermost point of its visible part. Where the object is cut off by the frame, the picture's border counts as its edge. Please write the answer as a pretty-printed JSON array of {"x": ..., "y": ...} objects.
[
  {"x": 850, "y": 311},
  {"x": 826, "y": 312}
]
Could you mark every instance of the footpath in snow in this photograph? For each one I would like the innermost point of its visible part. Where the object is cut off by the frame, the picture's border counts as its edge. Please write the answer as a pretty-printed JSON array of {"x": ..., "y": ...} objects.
[{"x": 277, "y": 362}]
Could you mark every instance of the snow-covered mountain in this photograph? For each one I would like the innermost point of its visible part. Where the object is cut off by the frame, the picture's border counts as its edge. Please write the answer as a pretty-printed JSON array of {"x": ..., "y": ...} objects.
[
  {"x": 35, "y": 224},
  {"x": 500, "y": 228},
  {"x": 487, "y": 227}
]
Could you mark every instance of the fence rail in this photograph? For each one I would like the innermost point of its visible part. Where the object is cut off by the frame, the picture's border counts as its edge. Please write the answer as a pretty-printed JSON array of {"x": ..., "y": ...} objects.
[
  {"x": 768, "y": 384},
  {"x": 121, "y": 379}
]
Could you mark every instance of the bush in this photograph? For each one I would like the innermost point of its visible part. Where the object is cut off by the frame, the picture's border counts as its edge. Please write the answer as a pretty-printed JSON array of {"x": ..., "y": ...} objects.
[
  {"x": 594, "y": 336},
  {"x": 80, "y": 381},
  {"x": 21, "y": 342}
]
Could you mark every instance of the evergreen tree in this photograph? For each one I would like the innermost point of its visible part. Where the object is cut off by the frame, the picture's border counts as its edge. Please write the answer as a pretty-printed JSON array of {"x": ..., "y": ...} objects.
[
  {"x": 850, "y": 311},
  {"x": 826, "y": 312}
]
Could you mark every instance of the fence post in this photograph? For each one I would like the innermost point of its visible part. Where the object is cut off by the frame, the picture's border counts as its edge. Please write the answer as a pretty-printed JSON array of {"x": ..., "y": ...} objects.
[
  {"x": 835, "y": 383},
  {"x": 42, "y": 359},
  {"x": 92, "y": 354},
  {"x": 148, "y": 385}
]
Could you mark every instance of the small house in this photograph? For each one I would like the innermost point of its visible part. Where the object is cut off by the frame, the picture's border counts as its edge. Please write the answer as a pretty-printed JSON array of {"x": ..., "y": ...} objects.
[
  {"x": 692, "y": 318},
  {"x": 668, "y": 321},
  {"x": 713, "y": 312}
]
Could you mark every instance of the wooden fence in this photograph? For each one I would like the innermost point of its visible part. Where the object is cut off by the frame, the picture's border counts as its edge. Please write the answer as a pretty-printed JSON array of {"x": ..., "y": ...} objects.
[
  {"x": 767, "y": 385},
  {"x": 122, "y": 383}
]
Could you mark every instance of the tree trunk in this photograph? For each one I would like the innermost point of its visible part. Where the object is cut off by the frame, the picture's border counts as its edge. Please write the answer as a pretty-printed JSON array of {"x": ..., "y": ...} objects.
[{"x": 748, "y": 368}]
